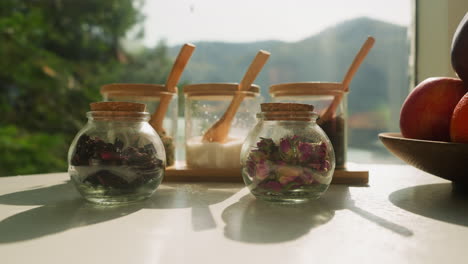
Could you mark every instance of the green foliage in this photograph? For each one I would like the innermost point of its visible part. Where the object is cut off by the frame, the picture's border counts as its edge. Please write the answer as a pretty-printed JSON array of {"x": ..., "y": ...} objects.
[
  {"x": 29, "y": 153},
  {"x": 55, "y": 56}
]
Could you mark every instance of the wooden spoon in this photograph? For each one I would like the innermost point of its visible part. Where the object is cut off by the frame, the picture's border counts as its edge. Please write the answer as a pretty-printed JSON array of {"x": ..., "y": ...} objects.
[
  {"x": 182, "y": 59},
  {"x": 220, "y": 130},
  {"x": 330, "y": 111}
]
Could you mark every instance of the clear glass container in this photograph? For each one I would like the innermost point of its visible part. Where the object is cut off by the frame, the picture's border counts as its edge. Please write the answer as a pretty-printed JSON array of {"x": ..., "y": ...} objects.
[
  {"x": 151, "y": 95},
  {"x": 321, "y": 95},
  {"x": 117, "y": 157},
  {"x": 287, "y": 157},
  {"x": 205, "y": 104}
]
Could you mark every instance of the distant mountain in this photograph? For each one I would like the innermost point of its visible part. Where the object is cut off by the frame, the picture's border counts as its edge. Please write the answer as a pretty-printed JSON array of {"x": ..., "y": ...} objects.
[{"x": 379, "y": 87}]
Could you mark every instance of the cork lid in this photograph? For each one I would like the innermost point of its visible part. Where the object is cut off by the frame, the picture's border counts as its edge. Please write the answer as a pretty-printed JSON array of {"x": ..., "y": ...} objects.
[
  {"x": 289, "y": 107},
  {"x": 117, "y": 106},
  {"x": 287, "y": 112},
  {"x": 306, "y": 88},
  {"x": 118, "y": 111},
  {"x": 218, "y": 89},
  {"x": 116, "y": 90}
]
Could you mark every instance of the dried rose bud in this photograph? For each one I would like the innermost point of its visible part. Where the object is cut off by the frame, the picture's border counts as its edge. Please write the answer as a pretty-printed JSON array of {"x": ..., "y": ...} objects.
[
  {"x": 266, "y": 145},
  {"x": 305, "y": 151},
  {"x": 262, "y": 170},
  {"x": 307, "y": 176},
  {"x": 288, "y": 174}
]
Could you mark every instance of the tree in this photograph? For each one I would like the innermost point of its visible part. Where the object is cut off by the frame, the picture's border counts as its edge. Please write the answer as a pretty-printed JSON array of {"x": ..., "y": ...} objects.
[{"x": 55, "y": 56}]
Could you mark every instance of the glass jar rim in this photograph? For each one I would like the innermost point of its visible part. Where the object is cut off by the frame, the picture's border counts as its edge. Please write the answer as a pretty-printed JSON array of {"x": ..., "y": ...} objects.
[
  {"x": 307, "y": 88},
  {"x": 306, "y": 116},
  {"x": 118, "y": 116},
  {"x": 216, "y": 89},
  {"x": 135, "y": 89}
]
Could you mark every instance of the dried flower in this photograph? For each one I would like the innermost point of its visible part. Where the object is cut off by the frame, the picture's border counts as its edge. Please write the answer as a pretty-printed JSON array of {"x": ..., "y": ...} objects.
[
  {"x": 305, "y": 151},
  {"x": 307, "y": 176},
  {"x": 285, "y": 145},
  {"x": 262, "y": 169},
  {"x": 288, "y": 165},
  {"x": 95, "y": 152},
  {"x": 266, "y": 145},
  {"x": 288, "y": 149},
  {"x": 288, "y": 174},
  {"x": 274, "y": 186}
]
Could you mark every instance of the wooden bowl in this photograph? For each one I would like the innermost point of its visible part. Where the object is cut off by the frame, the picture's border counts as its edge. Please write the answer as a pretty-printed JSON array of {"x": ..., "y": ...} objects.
[{"x": 443, "y": 159}]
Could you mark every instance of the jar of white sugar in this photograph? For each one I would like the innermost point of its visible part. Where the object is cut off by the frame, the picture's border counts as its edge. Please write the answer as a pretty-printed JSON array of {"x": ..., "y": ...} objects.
[{"x": 205, "y": 104}]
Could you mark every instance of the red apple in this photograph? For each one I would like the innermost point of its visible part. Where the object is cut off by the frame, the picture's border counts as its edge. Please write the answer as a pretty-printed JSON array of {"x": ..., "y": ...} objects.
[
  {"x": 427, "y": 110},
  {"x": 459, "y": 122}
]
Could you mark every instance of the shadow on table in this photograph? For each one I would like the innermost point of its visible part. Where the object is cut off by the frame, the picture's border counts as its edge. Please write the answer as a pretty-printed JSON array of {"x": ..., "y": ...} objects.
[
  {"x": 198, "y": 197},
  {"x": 255, "y": 221},
  {"x": 61, "y": 208},
  {"x": 41, "y": 195},
  {"x": 436, "y": 201},
  {"x": 339, "y": 198},
  {"x": 54, "y": 218}
]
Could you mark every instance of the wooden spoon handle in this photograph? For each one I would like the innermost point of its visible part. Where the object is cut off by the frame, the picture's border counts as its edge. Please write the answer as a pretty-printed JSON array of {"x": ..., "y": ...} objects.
[
  {"x": 253, "y": 70},
  {"x": 179, "y": 66},
  {"x": 157, "y": 118},
  {"x": 331, "y": 109},
  {"x": 357, "y": 62},
  {"x": 220, "y": 130}
]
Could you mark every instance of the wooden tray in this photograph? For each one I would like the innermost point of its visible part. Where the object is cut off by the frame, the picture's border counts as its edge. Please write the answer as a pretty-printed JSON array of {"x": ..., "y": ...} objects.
[{"x": 352, "y": 175}]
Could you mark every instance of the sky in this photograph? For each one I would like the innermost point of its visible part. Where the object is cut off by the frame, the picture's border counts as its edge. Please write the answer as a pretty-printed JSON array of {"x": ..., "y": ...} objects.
[{"x": 180, "y": 21}]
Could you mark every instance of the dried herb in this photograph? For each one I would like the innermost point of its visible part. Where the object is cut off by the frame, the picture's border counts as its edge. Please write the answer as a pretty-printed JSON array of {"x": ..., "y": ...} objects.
[
  {"x": 112, "y": 165},
  {"x": 291, "y": 164},
  {"x": 335, "y": 130},
  {"x": 169, "y": 147}
]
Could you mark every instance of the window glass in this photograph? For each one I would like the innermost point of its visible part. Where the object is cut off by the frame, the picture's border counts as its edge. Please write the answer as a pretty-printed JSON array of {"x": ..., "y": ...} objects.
[
  {"x": 309, "y": 41},
  {"x": 57, "y": 54}
]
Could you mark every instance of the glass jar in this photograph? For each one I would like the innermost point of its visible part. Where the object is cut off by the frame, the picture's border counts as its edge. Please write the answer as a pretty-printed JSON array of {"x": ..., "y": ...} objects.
[
  {"x": 151, "y": 95},
  {"x": 117, "y": 157},
  {"x": 321, "y": 95},
  {"x": 205, "y": 104},
  {"x": 287, "y": 157}
]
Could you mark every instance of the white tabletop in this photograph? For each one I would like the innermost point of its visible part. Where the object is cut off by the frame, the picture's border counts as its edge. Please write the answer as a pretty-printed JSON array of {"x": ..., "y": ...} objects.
[{"x": 403, "y": 216}]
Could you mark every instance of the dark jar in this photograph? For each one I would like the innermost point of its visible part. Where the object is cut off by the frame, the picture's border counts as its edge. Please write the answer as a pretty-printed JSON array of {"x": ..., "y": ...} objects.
[
  {"x": 117, "y": 157},
  {"x": 323, "y": 96},
  {"x": 287, "y": 157}
]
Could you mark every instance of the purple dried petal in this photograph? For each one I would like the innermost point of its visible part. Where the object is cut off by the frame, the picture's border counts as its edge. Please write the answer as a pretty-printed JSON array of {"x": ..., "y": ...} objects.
[
  {"x": 307, "y": 176},
  {"x": 250, "y": 164},
  {"x": 280, "y": 163},
  {"x": 261, "y": 143},
  {"x": 305, "y": 151},
  {"x": 257, "y": 155},
  {"x": 272, "y": 185},
  {"x": 266, "y": 145},
  {"x": 315, "y": 166},
  {"x": 262, "y": 170},
  {"x": 285, "y": 145},
  {"x": 298, "y": 183},
  {"x": 107, "y": 155},
  {"x": 325, "y": 165}
]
